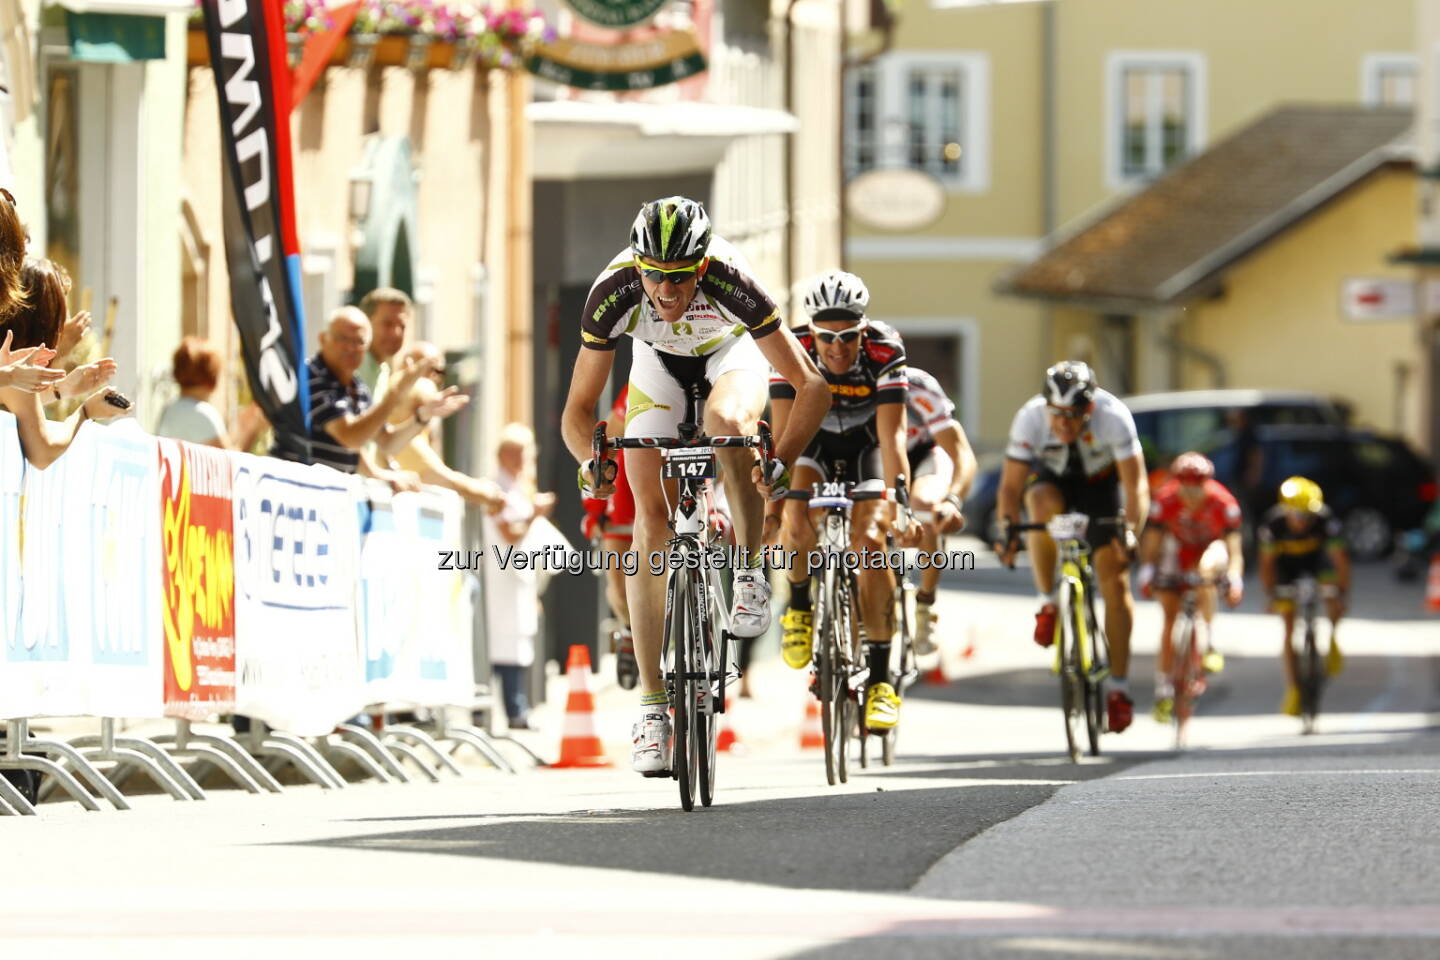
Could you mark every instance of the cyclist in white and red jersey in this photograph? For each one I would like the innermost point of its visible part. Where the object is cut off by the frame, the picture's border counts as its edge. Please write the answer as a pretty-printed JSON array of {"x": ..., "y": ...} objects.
[
  {"x": 942, "y": 468},
  {"x": 1073, "y": 448},
  {"x": 698, "y": 317},
  {"x": 1194, "y": 528}
]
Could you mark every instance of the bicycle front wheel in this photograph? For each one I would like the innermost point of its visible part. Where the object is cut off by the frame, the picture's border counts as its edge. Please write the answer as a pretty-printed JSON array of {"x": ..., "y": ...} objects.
[
  {"x": 681, "y": 644},
  {"x": 1093, "y": 679},
  {"x": 826, "y": 654},
  {"x": 707, "y": 662},
  {"x": 1312, "y": 677},
  {"x": 1072, "y": 691}
]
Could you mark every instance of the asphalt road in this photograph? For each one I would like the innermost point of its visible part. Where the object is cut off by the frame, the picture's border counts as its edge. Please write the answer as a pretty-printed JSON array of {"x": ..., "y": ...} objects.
[{"x": 982, "y": 841}]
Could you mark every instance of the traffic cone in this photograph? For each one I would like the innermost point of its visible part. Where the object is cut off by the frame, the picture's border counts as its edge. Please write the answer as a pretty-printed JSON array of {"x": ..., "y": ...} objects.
[
  {"x": 812, "y": 734},
  {"x": 1432, "y": 586},
  {"x": 579, "y": 746},
  {"x": 936, "y": 677},
  {"x": 726, "y": 741}
]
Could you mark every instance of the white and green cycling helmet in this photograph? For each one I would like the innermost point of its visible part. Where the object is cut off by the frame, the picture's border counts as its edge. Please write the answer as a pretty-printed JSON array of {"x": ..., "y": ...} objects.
[{"x": 669, "y": 229}]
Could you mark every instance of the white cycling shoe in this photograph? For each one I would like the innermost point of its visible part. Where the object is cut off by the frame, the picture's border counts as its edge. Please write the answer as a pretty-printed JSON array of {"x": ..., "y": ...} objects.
[
  {"x": 750, "y": 613},
  {"x": 651, "y": 738}
]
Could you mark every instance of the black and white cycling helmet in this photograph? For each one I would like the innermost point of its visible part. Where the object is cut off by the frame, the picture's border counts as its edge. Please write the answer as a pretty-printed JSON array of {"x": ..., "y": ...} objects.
[
  {"x": 1069, "y": 385},
  {"x": 671, "y": 228},
  {"x": 837, "y": 290}
]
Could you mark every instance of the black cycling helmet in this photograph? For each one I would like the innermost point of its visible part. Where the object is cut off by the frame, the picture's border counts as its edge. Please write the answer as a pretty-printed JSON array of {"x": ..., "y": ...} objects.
[
  {"x": 669, "y": 229},
  {"x": 1069, "y": 385}
]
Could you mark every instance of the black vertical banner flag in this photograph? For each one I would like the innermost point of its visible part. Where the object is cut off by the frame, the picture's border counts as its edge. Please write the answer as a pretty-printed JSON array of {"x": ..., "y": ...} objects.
[{"x": 252, "y": 81}]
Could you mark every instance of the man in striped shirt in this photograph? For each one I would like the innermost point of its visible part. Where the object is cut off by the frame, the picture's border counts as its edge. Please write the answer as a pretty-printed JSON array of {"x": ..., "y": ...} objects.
[{"x": 343, "y": 419}]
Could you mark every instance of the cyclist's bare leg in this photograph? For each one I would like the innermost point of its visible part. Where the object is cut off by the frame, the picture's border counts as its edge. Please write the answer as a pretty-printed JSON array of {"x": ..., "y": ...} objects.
[
  {"x": 1042, "y": 501},
  {"x": 797, "y": 526},
  {"x": 615, "y": 578},
  {"x": 733, "y": 409},
  {"x": 1112, "y": 569},
  {"x": 1287, "y": 651},
  {"x": 1170, "y": 607},
  {"x": 646, "y": 594},
  {"x": 925, "y": 495},
  {"x": 868, "y": 521}
]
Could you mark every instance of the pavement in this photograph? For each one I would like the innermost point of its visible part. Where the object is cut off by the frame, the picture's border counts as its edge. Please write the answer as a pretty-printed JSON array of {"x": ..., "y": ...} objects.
[{"x": 981, "y": 841}]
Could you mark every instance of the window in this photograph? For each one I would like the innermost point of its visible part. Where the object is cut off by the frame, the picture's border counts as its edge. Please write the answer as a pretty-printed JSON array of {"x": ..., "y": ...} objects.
[
  {"x": 923, "y": 112},
  {"x": 1389, "y": 79},
  {"x": 1157, "y": 114}
]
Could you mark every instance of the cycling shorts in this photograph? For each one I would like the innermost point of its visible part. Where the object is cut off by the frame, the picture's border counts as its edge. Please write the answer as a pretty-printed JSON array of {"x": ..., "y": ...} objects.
[
  {"x": 658, "y": 381},
  {"x": 856, "y": 451},
  {"x": 1097, "y": 497}
]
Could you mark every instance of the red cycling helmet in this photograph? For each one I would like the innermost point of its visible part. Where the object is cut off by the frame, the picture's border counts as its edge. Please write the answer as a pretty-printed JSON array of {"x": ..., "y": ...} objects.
[{"x": 1192, "y": 467}]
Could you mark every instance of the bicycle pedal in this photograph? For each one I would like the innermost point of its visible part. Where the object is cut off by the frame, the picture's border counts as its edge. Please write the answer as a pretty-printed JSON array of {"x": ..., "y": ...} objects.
[{"x": 657, "y": 774}]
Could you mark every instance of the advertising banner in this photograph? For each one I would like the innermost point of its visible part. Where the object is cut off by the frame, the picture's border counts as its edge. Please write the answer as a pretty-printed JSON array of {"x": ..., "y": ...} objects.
[
  {"x": 88, "y": 636},
  {"x": 198, "y": 579},
  {"x": 414, "y": 617},
  {"x": 298, "y": 658},
  {"x": 252, "y": 76}
]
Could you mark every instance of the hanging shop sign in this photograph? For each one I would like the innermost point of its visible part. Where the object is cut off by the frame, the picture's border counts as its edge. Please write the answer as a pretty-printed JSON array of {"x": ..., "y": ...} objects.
[
  {"x": 626, "y": 66},
  {"x": 616, "y": 13}
]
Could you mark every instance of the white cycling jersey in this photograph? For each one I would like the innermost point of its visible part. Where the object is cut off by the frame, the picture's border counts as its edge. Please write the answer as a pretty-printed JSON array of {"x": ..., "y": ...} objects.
[
  {"x": 728, "y": 301},
  {"x": 1108, "y": 437},
  {"x": 929, "y": 409}
]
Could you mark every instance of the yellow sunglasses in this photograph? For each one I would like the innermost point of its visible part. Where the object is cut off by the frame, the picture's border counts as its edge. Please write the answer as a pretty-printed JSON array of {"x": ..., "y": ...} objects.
[{"x": 676, "y": 275}]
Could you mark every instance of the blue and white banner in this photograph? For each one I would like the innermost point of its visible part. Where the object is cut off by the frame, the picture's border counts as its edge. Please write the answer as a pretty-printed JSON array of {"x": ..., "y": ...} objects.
[
  {"x": 411, "y": 611},
  {"x": 296, "y": 543},
  {"x": 87, "y": 639}
]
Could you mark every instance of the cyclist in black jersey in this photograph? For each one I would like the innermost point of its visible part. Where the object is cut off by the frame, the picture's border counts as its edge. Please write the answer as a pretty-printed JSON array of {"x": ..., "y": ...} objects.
[{"x": 863, "y": 362}]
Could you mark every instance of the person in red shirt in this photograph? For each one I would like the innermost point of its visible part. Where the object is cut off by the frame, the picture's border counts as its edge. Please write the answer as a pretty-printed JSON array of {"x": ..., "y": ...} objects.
[{"x": 1194, "y": 528}]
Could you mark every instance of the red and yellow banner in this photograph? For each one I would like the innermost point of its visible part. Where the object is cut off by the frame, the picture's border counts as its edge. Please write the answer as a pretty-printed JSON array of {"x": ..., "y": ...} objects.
[{"x": 198, "y": 548}]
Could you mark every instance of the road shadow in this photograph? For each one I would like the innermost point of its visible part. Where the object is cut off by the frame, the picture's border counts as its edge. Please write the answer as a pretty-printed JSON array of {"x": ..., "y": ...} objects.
[{"x": 878, "y": 840}]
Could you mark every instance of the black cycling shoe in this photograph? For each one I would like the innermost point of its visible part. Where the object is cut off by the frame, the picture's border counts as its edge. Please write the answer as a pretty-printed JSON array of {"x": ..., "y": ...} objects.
[{"x": 627, "y": 670}]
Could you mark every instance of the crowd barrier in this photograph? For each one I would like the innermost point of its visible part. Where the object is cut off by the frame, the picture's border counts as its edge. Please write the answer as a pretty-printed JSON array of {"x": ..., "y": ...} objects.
[{"x": 147, "y": 578}]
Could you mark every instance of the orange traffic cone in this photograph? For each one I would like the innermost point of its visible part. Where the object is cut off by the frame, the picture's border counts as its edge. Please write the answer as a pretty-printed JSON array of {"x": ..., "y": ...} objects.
[
  {"x": 936, "y": 676},
  {"x": 726, "y": 741},
  {"x": 579, "y": 746},
  {"x": 1432, "y": 585},
  {"x": 812, "y": 734}
]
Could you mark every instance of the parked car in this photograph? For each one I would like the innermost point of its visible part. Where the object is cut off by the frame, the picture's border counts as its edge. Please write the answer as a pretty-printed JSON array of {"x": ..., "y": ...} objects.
[{"x": 1204, "y": 420}]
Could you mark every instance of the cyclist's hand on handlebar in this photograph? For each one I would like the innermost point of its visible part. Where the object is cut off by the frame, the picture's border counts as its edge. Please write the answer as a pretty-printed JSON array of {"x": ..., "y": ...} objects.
[
  {"x": 1145, "y": 580},
  {"x": 908, "y": 530},
  {"x": 594, "y": 487},
  {"x": 1127, "y": 542},
  {"x": 948, "y": 518},
  {"x": 772, "y": 479},
  {"x": 1007, "y": 546}
]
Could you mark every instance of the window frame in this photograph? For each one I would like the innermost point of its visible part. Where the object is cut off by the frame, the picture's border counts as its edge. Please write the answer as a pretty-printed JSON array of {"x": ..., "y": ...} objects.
[
  {"x": 1117, "y": 63},
  {"x": 892, "y": 73},
  {"x": 1374, "y": 65}
]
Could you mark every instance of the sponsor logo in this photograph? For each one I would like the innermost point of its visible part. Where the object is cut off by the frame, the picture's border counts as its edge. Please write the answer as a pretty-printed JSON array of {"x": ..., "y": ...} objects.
[{"x": 850, "y": 390}]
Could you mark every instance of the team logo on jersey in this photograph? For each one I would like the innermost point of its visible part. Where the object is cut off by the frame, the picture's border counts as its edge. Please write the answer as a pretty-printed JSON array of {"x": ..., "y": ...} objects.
[
  {"x": 880, "y": 352},
  {"x": 850, "y": 390}
]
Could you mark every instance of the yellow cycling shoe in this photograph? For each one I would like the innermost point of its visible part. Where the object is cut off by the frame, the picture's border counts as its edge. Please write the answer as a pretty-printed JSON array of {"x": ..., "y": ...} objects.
[
  {"x": 1164, "y": 709},
  {"x": 797, "y": 644},
  {"x": 1334, "y": 660},
  {"x": 882, "y": 707},
  {"x": 1290, "y": 706},
  {"x": 1213, "y": 661}
]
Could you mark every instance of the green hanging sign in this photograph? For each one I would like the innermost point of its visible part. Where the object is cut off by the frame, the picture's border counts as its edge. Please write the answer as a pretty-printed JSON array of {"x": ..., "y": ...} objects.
[
  {"x": 616, "y": 13},
  {"x": 623, "y": 66}
]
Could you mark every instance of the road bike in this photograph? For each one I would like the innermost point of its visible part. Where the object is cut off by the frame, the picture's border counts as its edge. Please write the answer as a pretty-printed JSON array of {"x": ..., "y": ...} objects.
[
  {"x": 1082, "y": 658},
  {"x": 695, "y": 652},
  {"x": 1189, "y": 641},
  {"x": 1306, "y": 593}
]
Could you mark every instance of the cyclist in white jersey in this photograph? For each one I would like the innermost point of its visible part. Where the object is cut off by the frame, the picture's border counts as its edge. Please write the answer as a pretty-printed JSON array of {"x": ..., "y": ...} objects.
[
  {"x": 942, "y": 468},
  {"x": 697, "y": 315},
  {"x": 1073, "y": 449}
]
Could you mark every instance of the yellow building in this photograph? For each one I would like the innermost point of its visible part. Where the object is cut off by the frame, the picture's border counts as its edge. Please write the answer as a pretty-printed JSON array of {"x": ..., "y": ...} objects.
[
  {"x": 1263, "y": 262},
  {"x": 1035, "y": 117}
]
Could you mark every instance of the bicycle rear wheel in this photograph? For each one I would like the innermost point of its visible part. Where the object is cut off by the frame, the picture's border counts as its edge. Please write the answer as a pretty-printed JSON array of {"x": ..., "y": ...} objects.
[
  {"x": 708, "y": 662},
  {"x": 1072, "y": 693}
]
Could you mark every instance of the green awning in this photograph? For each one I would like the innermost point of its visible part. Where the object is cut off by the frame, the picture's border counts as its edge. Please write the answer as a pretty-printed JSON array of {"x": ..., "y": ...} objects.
[{"x": 115, "y": 37}]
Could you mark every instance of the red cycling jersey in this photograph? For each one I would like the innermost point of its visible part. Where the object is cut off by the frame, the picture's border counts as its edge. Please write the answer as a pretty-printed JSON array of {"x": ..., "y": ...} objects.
[{"x": 1216, "y": 515}]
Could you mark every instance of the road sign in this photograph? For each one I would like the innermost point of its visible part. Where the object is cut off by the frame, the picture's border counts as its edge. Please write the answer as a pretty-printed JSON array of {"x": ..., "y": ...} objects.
[{"x": 1377, "y": 298}]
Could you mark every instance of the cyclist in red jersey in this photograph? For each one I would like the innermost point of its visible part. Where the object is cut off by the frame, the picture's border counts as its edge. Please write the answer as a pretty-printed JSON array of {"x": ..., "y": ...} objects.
[
  {"x": 611, "y": 522},
  {"x": 1194, "y": 528}
]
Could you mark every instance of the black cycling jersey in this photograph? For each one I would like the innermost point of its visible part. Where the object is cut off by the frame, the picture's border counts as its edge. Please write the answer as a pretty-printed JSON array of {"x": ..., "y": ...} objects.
[
  {"x": 877, "y": 376},
  {"x": 1303, "y": 551}
]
